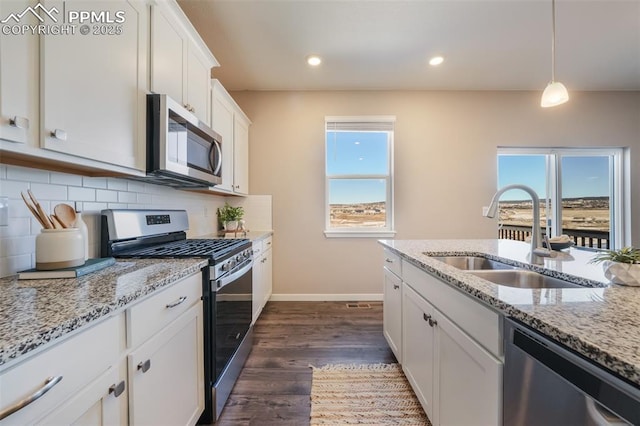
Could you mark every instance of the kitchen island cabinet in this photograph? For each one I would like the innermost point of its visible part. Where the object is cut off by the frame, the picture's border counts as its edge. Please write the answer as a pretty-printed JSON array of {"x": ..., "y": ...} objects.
[
  {"x": 95, "y": 332},
  {"x": 392, "y": 306},
  {"x": 584, "y": 318}
]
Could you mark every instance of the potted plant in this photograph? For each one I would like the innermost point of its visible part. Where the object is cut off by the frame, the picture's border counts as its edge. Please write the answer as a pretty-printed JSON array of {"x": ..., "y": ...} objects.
[
  {"x": 620, "y": 266},
  {"x": 229, "y": 216}
]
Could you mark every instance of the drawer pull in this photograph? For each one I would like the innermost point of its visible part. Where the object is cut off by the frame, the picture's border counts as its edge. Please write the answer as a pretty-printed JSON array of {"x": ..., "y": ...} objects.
[
  {"x": 59, "y": 134},
  {"x": 145, "y": 366},
  {"x": 388, "y": 260},
  {"x": 426, "y": 317},
  {"x": 396, "y": 286},
  {"x": 177, "y": 302},
  {"x": 19, "y": 122},
  {"x": 432, "y": 322},
  {"x": 117, "y": 390},
  {"x": 48, "y": 385}
]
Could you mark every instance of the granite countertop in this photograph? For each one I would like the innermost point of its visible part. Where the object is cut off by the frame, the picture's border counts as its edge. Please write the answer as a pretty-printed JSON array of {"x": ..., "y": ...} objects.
[
  {"x": 600, "y": 321},
  {"x": 35, "y": 312}
]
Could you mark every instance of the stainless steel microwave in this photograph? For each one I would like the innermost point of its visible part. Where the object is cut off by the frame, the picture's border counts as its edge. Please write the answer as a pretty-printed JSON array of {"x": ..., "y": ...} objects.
[{"x": 182, "y": 151}]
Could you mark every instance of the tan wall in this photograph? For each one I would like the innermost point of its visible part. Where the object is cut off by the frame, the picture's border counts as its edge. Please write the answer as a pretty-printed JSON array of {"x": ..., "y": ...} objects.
[{"x": 445, "y": 167}]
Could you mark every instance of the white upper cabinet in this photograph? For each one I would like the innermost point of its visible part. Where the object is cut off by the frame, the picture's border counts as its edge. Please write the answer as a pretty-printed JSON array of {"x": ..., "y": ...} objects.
[
  {"x": 228, "y": 120},
  {"x": 19, "y": 80},
  {"x": 180, "y": 61},
  {"x": 94, "y": 85}
]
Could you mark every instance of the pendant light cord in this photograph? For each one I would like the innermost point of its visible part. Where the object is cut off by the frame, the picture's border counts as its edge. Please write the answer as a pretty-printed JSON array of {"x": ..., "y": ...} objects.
[{"x": 553, "y": 40}]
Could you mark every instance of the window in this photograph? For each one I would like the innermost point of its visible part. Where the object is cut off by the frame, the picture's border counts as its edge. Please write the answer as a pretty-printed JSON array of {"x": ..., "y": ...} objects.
[
  {"x": 580, "y": 190},
  {"x": 359, "y": 176}
]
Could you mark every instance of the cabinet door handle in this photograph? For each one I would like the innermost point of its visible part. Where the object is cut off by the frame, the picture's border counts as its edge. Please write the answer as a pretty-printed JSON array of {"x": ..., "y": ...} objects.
[
  {"x": 432, "y": 322},
  {"x": 48, "y": 385},
  {"x": 177, "y": 302},
  {"x": 144, "y": 366},
  {"x": 396, "y": 286},
  {"x": 426, "y": 317},
  {"x": 19, "y": 122},
  {"x": 389, "y": 260},
  {"x": 59, "y": 134},
  {"x": 117, "y": 390}
]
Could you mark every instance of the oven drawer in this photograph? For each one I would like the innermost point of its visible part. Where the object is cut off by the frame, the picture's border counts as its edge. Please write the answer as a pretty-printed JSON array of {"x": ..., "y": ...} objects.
[{"x": 146, "y": 318}]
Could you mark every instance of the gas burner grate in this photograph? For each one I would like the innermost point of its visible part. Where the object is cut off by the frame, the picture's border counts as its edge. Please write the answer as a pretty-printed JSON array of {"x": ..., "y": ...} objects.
[{"x": 214, "y": 248}]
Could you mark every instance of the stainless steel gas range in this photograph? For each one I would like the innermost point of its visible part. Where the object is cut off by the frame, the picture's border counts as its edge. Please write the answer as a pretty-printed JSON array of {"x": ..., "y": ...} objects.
[{"x": 227, "y": 287}]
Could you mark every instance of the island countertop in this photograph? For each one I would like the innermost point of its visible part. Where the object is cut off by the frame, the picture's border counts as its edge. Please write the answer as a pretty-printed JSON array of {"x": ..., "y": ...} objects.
[
  {"x": 36, "y": 312},
  {"x": 600, "y": 321}
]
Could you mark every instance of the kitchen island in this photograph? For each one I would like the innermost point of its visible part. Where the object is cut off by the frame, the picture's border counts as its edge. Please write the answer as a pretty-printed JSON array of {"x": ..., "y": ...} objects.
[{"x": 599, "y": 320}]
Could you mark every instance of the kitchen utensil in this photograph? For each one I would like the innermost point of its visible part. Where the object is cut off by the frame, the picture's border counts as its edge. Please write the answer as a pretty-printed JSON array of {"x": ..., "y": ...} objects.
[
  {"x": 43, "y": 215},
  {"x": 33, "y": 211},
  {"x": 56, "y": 222},
  {"x": 66, "y": 215}
]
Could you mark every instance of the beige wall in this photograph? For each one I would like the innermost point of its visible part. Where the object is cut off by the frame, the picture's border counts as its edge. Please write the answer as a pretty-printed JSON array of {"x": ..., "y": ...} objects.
[{"x": 445, "y": 167}]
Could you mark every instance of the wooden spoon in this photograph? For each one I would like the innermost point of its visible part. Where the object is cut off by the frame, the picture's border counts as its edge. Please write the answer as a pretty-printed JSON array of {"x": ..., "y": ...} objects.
[
  {"x": 56, "y": 222},
  {"x": 65, "y": 214}
]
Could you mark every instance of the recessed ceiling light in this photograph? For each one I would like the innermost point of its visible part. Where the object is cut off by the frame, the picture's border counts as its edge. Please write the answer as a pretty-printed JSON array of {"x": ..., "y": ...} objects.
[
  {"x": 314, "y": 60},
  {"x": 436, "y": 60}
]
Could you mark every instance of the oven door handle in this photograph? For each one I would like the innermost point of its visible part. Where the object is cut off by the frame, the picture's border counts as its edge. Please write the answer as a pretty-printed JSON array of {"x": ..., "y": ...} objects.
[{"x": 233, "y": 276}]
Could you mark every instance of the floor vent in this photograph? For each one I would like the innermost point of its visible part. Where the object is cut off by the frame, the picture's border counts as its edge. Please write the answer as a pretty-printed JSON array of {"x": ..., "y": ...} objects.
[{"x": 359, "y": 305}]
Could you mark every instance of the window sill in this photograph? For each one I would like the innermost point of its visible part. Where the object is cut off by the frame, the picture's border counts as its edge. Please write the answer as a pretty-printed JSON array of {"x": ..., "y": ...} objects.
[{"x": 359, "y": 234}]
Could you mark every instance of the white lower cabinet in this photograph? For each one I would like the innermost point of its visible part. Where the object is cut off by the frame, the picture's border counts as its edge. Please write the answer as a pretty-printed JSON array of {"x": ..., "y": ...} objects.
[
  {"x": 145, "y": 369},
  {"x": 392, "y": 312},
  {"x": 449, "y": 345},
  {"x": 165, "y": 374},
  {"x": 72, "y": 373},
  {"x": 262, "y": 275},
  {"x": 97, "y": 404},
  {"x": 455, "y": 379}
]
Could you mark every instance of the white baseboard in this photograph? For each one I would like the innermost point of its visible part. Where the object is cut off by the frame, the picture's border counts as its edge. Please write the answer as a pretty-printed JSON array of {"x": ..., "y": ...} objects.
[{"x": 326, "y": 297}]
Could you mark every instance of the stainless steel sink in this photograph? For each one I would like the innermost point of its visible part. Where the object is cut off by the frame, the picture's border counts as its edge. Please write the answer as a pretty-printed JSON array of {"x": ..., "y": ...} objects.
[
  {"x": 469, "y": 263},
  {"x": 521, "y": 278}
]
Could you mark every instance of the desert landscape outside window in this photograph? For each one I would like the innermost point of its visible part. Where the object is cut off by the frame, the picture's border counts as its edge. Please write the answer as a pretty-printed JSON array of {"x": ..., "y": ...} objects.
[
  {"x": 580, "y": 192},
  {"x": 359, "y": 182}
]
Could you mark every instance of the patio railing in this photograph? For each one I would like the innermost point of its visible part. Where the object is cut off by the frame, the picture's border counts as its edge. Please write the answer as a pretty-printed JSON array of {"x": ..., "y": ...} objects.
[{"x": 580, "y": 237}]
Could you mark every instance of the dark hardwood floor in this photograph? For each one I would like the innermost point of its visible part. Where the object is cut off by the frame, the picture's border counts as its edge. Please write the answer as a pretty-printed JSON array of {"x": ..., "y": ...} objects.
[{"x": 275, "y": 385}]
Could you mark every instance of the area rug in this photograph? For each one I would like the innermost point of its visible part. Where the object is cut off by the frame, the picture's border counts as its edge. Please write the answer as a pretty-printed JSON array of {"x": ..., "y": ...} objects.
[{"x": 369, "y": 394}]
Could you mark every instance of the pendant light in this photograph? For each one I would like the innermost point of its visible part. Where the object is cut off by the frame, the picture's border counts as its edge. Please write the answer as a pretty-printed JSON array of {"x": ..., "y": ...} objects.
[{"x": 555, "y": 93}]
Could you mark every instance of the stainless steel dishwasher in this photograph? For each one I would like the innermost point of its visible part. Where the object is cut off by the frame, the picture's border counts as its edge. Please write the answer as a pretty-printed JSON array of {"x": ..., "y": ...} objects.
[{"x": 547, "y": 384}]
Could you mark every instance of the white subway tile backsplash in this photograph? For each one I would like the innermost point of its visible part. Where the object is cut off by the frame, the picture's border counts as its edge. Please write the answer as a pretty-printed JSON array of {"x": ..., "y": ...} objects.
[
  {"x": 135, "y": 186},
  {"x": 82, "y": 194},
  {"x": 17, "y": 241},
  {"x": 93, "y": 207},
  {"x": 44, "y": 191},
  {"x": 106, "y": 195},
  {"x": 12, "y": 189},
  {"x": 117, "y": 184},
  {"x": 127, "y": 197},
  {"x": 66, "y": 179},
  {"x": 94, "y": 182},
  {"x": 29, "y": 175}
]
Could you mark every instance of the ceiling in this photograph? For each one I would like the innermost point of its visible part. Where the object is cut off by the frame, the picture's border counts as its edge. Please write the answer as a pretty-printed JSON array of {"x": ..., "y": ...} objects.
[{"x": 386, "y": 44}]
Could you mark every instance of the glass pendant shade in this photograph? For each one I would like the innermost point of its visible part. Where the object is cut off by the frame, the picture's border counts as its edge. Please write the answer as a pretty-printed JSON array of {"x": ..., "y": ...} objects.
[{"x": 554, "y": 94}]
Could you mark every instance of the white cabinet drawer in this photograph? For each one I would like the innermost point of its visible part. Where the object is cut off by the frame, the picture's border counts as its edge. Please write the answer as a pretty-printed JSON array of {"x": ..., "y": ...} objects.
[
  {"x": 477, "y": 320},
  {"x": 267, "y": 243},
  {"x": 392, "y": 262},
  {"x": 78, "y": 360},
  {"x": 147, "y": 317}
]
